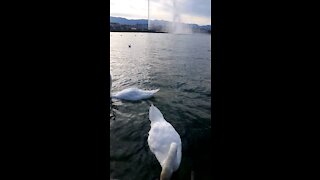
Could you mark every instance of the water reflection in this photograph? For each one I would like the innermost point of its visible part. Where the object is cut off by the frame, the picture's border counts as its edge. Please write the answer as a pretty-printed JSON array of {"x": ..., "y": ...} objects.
[{"x": 181, "y": 67}]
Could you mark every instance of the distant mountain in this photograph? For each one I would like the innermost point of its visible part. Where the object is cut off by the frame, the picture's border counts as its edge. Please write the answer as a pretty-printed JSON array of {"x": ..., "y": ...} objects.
[{"x": 125, "y": 21}]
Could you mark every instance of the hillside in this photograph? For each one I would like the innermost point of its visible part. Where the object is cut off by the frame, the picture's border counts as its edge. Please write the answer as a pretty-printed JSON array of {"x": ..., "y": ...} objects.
[{"x": 132, "y": 22}]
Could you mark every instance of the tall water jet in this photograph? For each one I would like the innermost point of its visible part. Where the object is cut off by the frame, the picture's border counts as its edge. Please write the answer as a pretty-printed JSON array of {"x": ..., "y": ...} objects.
[
  {"x": 173, "y": 18},
  {"x": 176, "y": 18},
  {"x": 148, "y": 14},
  {"x": 177, "y": 27}
]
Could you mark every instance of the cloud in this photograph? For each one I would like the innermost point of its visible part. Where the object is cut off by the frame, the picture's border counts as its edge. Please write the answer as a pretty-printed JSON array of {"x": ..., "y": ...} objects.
[
  {"x": 190, "y": 11},
  {"x": 132, "y": 9},
  {"x": 198, "y": 8}
]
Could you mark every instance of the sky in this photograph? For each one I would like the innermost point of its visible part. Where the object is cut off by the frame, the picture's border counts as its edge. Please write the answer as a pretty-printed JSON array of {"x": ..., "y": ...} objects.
[{"x": 189, "y": 11}]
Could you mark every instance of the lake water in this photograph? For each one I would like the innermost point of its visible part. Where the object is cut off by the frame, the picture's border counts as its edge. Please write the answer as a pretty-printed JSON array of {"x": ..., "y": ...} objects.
[{"x": 180, "y": 65}]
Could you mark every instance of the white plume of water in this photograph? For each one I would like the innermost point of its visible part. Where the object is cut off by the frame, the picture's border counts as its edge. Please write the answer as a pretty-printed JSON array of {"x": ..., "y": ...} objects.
[
  {"x": 177, "y": 27},
  {"x": 174, "y": 23}
]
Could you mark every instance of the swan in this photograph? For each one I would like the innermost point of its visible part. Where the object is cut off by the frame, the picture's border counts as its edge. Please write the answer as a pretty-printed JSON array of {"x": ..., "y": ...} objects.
[
  {"x": 132, "y": 94},
  {"x": 164, "y": 142}
]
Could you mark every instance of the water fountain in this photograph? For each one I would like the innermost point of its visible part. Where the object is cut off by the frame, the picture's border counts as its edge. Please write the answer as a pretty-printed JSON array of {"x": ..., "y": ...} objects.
[{"x": 175, "y": 26}]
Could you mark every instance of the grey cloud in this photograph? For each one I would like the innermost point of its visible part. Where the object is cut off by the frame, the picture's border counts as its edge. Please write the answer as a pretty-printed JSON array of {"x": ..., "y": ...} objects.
[{"x": 200, "y": 8}]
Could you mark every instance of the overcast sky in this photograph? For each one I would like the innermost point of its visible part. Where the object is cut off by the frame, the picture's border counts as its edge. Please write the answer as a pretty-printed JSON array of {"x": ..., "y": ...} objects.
[{"x": 190, "y": 11}]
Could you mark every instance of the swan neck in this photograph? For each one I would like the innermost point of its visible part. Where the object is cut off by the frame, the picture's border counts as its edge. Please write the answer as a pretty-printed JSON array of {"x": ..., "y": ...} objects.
[
  {"x": 166, "y": 173},
  {"x": 168, "y": 163}
]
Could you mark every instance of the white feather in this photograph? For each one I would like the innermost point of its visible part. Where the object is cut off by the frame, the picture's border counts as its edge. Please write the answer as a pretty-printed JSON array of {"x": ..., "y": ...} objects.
[
  {"x": 134, "y": 94},
  {"x": 161, "y": 136}
]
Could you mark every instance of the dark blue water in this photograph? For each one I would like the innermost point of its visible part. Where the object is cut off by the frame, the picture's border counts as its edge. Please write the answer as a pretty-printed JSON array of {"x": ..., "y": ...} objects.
[{"x": 180, "y": 65}]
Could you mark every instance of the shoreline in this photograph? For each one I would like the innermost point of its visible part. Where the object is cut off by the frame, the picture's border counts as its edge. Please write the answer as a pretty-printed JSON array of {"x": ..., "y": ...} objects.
[
  {"x": 138, "y": 31},
  {"x": 134, "y": 31}
]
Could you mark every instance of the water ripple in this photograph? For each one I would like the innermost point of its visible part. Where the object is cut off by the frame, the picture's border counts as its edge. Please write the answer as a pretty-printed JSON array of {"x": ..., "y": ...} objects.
[{"x": 181, "y": 67}]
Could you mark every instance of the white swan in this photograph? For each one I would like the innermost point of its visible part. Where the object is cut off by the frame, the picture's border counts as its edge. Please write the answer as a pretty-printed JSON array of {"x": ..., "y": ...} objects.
[
  {"x": 132, "y": 94},
  {"x": 164, "y": 142}
]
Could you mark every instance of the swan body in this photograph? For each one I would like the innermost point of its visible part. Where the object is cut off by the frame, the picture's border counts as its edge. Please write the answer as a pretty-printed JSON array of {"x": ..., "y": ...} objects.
[
  {"x": 134, "y": 94},
  {"x": 164, "y": 143}
]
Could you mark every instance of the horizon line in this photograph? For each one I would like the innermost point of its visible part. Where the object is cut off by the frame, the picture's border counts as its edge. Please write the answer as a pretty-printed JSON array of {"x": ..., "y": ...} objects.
[{"x": 159, "y": 20}]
